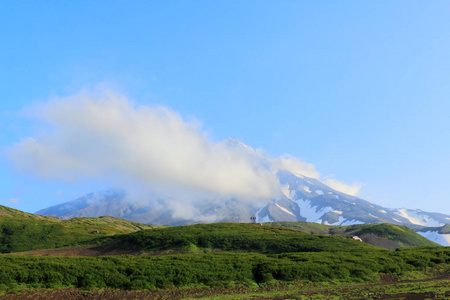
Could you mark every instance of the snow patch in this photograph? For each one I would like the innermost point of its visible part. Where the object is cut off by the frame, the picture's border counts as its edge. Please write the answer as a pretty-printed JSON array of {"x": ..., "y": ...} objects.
[
  {"x": 442, "y": 239},
  {"x": 320, "y": 192},
  {"x": 373, "y": 216},
  {"x": 337, "y": 212},
  {"x": 285, "y": 190},
  {"x": 344, "y": 222},
  {"x": 284, "y": 209},
  {"x": 382, "y": 211},
  {"x": 310, "y": 212},
  {"x": 306, "y": 189},
  {"x": 351, "y": 222},
  {"x": 265, "y": 218},
  {"x": 418, "y": 219},
  {"x": 340, "y": 220},
  {"x": 292, "y": 194}
]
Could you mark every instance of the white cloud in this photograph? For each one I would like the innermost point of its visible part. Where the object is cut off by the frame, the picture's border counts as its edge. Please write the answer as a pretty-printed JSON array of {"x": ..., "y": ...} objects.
[
  {"x": 151, "y": 150},
  {"x": 352, "y": 190},
  {"x": 295, "y": 166},
  {"x": 14, "y": 201},
  {"x": 108, "y": 136}
]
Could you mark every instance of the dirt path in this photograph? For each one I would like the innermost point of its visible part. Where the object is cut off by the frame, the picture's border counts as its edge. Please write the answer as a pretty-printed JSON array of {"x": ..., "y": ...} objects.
[{"x": 368, "y": 291}]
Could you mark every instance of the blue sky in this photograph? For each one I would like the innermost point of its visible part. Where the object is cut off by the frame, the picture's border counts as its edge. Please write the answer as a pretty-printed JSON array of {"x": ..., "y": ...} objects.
[{"x": 358, "y": 89}]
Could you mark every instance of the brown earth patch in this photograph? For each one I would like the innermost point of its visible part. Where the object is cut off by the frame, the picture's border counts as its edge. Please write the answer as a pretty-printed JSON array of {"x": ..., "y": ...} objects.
[
  {"x": 348, "y": 292},
  {"x": 108, "y": 249},
  {"x": 73, "y": 293}
]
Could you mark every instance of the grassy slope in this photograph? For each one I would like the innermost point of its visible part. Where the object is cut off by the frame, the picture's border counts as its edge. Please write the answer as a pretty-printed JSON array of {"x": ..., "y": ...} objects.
[
  {"x": 383, "y": 235},
  {"x": 20, "y": 231},
  {"x": 445, "y": 229},
  {"x": 11, "y": 212},
  {"x": 237, "y": 237}
]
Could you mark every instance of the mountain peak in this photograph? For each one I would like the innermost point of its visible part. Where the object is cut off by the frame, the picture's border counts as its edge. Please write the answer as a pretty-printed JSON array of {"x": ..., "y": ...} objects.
[
  {"x": 236, "y": 143},
  {"x": 301, "y": 198}
]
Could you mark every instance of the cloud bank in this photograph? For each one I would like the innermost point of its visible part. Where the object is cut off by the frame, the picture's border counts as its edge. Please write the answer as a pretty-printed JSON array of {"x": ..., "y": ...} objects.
[{"x": 105, "y": 135}]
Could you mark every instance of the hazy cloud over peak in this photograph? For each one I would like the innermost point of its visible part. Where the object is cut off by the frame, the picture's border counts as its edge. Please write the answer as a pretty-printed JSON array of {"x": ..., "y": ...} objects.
[
  {"x": 342, "y": 187},
  {"x": 109, "y": 136},
  {"x": 105, "y": 135}
]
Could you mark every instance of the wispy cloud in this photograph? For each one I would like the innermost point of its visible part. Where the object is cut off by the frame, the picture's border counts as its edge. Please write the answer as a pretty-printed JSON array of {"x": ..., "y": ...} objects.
[
  {"x": 342, "y": 187},
  {"x": 108, "y": 136},
  {"x": 10, "y": 202},
  {"x": 295, "y": 165},
  {"x": 105, "y": 135}
]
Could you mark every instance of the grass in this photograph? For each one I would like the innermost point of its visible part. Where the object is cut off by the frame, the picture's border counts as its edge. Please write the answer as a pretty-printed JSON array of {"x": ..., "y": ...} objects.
[
  {"x": 286, "y": 290},
  {"x": 399, "y": 236},
  {"x": 438, "y": 289},
  {"x": 20, "y": 231},
  {"x": 237, "y": 237}
]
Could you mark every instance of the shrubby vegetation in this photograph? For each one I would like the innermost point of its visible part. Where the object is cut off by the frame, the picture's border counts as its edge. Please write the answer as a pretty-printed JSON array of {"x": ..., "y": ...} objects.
[
  {"x": 402, "y": 235},
  {"x": 212, "y": 269},
  {"x": 20, "y": 231},
  {"x": 238, "y": 237}
]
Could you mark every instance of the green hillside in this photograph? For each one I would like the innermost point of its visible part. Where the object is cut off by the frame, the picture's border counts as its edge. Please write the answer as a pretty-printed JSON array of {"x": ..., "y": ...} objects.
[
  {"x": 20, "y": 231},
  {"x": 237, "y": 237},
  {"x": 204, "y": 255},
  {"x": 445, "y": 229},
  {"x": 383, "y": 235},
  {"x": 14, "y": 213}
]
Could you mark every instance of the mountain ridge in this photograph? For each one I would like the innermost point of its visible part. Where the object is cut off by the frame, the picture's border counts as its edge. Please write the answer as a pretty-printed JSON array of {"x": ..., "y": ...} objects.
[
  {"x": 302, "y": 199},
  {"x": 113, "y": 236}
]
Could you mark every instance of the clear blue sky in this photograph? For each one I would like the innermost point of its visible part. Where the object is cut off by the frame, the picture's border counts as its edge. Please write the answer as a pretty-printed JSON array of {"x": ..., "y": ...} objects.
[{"x": 359, "y": 89}]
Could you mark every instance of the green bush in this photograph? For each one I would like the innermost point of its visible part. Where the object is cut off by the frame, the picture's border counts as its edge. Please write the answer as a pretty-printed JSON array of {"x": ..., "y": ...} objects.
[{"x": 212, "y": 269}]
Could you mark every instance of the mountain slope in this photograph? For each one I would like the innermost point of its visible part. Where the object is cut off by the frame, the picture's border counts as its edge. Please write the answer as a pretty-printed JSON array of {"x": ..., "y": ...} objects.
[
  {"x": 234, "y": 237},
  {"x": 383, "y": 235},
  {"x": 440, "y": 235},
  {"x": 307, "y": 199},
  {"x": 20, "y": 231},
  {"x": 8, "y": 212},
  {"x": 302, "y": 199}
]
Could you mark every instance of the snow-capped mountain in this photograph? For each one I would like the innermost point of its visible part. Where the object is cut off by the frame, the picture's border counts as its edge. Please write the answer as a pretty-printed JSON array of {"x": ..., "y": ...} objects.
[
  {"x": 301, "y": 199},
  {"x": 307, "y": 199},
  {"x": 419, "y": 217}
]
